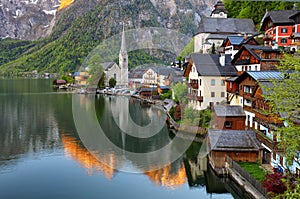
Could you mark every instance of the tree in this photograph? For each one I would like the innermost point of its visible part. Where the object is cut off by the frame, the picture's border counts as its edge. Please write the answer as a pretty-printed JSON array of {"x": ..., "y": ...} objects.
[
  {"x": 95, "y": 69},
  {"x": 213, "y": 49},
  {"x": 112, "y": 82},
  {"x": 180, "y": 91},
  {"x": 284, "y": 100}
]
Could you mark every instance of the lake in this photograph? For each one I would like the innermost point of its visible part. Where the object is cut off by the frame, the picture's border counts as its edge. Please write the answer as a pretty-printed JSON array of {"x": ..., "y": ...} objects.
[{"x": 63, "y": 145}]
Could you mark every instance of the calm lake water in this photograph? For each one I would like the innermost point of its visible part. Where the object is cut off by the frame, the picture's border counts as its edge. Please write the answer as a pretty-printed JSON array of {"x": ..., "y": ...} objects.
[{"x": 45, "y": 154}]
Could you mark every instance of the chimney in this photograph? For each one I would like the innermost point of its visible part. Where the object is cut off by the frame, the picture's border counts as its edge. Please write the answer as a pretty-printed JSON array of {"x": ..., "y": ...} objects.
[
  {"x": 222, "y": 59},
  {"x": 295, "y": 6}
]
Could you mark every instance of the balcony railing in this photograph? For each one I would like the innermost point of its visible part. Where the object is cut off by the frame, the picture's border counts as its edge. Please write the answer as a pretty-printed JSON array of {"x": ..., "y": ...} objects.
[
  {"x": 194, "y": 85},
  {"x": 195, "y": 97},
  {"x": 267, "y": 141}
]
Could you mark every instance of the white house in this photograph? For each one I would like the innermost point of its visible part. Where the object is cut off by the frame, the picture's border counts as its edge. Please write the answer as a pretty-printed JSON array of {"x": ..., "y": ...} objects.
[{"x": 206, "y": 79}]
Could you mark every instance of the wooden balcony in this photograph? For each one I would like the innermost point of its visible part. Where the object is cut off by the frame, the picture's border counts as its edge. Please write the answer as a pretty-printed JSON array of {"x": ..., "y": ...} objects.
[
  {"x": 273, "y": 145},
  {"x": 263, "y": 117},
  {"x": 195, "y": 97},
  {"x": 194, "y": 85},
  {"x": 268, "y": 37}
]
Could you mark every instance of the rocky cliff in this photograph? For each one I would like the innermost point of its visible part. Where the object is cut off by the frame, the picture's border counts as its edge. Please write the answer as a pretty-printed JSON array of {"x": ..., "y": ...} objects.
[
  {"x": 80, "y": 25},
  {"x": 34, "y": 19}
]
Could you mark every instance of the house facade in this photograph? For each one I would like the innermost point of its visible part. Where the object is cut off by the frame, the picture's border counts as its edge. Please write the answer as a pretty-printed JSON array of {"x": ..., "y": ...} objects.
[
  {"x": 239, "y": 145},
  {"x": 279, "y": 25},
  {"x": 256, "y": 58},
  {"x": 206, "y": 79},
  {"x": 229, "y": 117},
  {"x": 233, "y": 44}
]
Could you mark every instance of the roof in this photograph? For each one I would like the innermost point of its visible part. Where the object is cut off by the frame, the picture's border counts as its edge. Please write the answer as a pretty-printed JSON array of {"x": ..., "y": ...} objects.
[
  {"x": 255, "y": 50},
  {"x": 229, "y": 111},
  {"x": 265, "y": 75},
  {"x": 236, "y": 40},
  {"x": 209, "y": 65},
  {"x": 217, "y": 36},
  {"x": 233, "y": 140},
  {"x": 227, "y": 25},
  {"x": 108, "y": 65},
  {"x": 279, "y": 17}
]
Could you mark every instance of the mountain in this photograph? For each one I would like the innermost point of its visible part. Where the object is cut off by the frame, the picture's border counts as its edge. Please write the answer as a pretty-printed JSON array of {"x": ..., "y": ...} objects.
[{"x": 80, "y": 25}]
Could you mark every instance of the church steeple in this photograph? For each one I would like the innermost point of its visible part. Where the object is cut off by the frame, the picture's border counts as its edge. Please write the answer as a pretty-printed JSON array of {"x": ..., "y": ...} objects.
[
  {"x": 123, "y": 60},
  {"x": 219, "y": 11},
  {"x": 123, "y": 42}
]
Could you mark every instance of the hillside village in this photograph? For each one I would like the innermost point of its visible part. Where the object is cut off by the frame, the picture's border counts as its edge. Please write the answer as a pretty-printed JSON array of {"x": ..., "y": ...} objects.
[
  {"x": 234, "y": 77},
  {"x": 229, "y": 72}
]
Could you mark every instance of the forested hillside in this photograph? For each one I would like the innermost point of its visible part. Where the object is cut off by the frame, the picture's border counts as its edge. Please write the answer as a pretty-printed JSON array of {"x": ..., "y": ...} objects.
[{"x": 254, "y": 9}]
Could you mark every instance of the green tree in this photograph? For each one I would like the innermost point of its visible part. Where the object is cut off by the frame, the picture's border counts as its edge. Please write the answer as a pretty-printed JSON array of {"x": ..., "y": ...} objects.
[
  {"x": 180, "y": 91},
  {"x": 284, "y": 100},
  {"x": 112, "y": 82}
]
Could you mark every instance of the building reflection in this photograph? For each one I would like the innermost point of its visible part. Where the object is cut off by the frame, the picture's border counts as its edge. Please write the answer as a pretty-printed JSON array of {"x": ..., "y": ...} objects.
[{"x": 74, "y": 149}]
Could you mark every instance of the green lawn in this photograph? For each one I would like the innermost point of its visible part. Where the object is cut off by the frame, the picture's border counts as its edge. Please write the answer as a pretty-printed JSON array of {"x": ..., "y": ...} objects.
[{"x": 253, "y": 169}]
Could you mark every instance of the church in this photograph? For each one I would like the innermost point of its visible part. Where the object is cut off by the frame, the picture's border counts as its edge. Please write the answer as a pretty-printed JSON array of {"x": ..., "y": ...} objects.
[{"x": 118, "y": 72}]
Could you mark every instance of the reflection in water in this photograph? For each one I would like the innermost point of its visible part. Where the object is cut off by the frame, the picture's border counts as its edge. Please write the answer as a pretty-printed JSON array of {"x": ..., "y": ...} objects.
[
  {"x": 74, "y": 149},
  {"x": 35, "y": 138}
]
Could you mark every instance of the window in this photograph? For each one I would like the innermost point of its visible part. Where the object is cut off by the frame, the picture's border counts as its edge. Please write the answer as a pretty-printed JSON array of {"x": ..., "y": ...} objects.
[
  {"x": 222, "y": 94},
  {"x": 222, "y": 82},
  {"x": 283, "y": 40},
  {"x": 255, "y": 67},
  {"x": 230, "y": 85},
  {"x": 227, "y": 124},
  {"x": 199, "y": 82},
  {"x": 284, "y": 30},
  {"x": 212, "y": 94},
  {"x": 213, "y": 82}
]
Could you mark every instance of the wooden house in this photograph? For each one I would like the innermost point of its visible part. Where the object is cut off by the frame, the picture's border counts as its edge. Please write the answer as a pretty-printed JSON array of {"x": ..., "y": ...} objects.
[
  {"x": 233, "y": 44},
  {"x": 229, "y": 117},
  {"x": 256, "y": 58},
  {"x": 240, "y": 145}
]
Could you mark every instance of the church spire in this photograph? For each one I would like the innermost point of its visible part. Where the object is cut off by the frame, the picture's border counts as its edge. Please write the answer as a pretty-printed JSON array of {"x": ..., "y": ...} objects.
[{"x": 123, "y": 42}]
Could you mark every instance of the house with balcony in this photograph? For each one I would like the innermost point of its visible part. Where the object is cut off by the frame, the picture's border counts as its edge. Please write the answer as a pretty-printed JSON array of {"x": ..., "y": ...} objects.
[
  {"x": 206, "y": 75},
  {"x": 256, "y": 58},
  {"x": 250, "y": 88},
  {"x": 279, "y": 25}
]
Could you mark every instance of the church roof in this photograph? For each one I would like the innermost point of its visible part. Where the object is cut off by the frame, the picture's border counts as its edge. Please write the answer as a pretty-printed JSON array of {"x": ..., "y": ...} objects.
[{"x": 226, "y": 26}]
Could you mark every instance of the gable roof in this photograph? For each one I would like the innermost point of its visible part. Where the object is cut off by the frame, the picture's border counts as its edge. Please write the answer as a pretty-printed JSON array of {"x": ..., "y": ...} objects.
[
  {"x": 233, "y": 140},
  {"x": 253, "y": 50},
  {"x": 209, "y": 65},
  {"x": 236, "y": 40},
  {"x": 229, "y": 111},
  {"x": 108, "y": 65},
  {"x": 260, "y": 76},
  {"x": 279, "y": 17},
  {"x": 226, "y": 25}
]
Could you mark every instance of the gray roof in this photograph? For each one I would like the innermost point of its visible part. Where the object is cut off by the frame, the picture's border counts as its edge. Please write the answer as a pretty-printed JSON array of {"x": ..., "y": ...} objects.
[
  {"x": 281, "y": 16},
  {"x": 217, "y": 36},
  {"x": 209, "y": 65},
  {"x": 265, "y": 75},
  {"x": 227, "y": 25},
  {"x": 162, "y": 70},
  {"x": 229, "y": 111},
  {"x": 107, "y": 65},
  {"x": 233, "y": 140}
]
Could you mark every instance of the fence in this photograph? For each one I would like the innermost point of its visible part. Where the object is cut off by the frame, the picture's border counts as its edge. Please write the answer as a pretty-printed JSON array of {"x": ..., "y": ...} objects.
[{"x": 256, "y": 184}]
